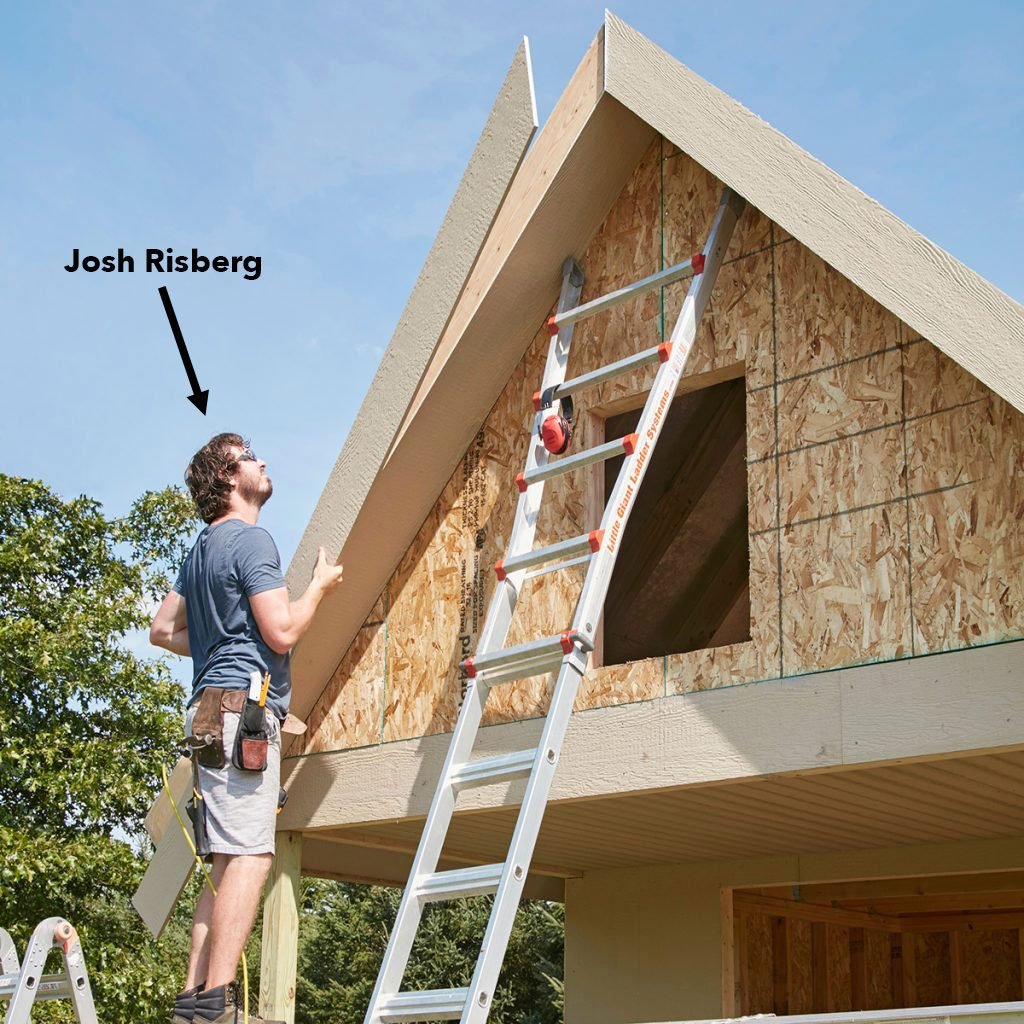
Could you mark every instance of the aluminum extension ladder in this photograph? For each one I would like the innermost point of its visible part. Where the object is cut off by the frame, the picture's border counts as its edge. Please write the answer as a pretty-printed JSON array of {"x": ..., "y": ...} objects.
[
  {"x": 567, "y": 653},
  {"x": 23, "y": 985}
]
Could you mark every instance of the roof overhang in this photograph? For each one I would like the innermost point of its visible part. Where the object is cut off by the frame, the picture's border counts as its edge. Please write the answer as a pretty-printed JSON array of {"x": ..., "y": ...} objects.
[{"x": 924, "y": 750}]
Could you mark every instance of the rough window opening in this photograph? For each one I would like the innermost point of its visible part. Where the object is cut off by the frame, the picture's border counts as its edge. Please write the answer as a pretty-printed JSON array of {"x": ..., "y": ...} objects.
[{"x": 682, "y": 578}]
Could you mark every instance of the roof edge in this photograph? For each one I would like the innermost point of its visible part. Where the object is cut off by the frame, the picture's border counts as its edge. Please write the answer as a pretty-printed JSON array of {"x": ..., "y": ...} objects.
[
  {"x": 956, "y": 309},
  {"x": 478, "y": 198}
]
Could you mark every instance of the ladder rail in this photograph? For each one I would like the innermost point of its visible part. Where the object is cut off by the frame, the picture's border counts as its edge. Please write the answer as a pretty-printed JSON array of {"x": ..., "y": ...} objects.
[
  {"x": 496, "y": 624},
  {"x": 29, "y": 985},
  {"x": 497, "y": 663},
  {"x": 534, "y": 803}
]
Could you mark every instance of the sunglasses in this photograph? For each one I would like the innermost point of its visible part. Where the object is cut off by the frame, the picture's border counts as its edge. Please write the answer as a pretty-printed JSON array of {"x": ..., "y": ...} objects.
[{"x": 247, "y": 456}]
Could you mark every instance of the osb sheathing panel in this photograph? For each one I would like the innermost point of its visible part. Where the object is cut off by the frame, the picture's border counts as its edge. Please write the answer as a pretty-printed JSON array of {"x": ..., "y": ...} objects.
[
  {"x": 883, "y": 484},
  {"x": 349, "y": 712},
  {"x": 990, "y": 965}
]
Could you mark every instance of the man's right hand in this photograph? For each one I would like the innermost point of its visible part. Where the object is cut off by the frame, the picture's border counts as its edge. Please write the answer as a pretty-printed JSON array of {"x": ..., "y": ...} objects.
[{"x": 325, "y": 575}]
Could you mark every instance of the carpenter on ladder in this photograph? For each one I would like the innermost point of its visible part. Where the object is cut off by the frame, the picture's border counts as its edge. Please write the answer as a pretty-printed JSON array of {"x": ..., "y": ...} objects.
[
  {"x": 22, "y": 986},
  {"x": 567, "y": 653}
]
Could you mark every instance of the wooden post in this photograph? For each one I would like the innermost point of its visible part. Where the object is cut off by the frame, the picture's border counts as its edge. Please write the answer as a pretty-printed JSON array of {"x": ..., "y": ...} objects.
[
  {"x": 281, "y": 931},
  {"x": 729, "y": 954}
]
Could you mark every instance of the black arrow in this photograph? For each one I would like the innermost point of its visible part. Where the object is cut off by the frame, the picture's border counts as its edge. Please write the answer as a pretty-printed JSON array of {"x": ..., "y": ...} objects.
[{"x": 197, "y": 398}]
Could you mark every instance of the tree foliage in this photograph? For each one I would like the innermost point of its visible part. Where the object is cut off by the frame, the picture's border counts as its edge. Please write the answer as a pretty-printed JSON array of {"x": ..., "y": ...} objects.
[
  {"x": 84, "y": 722},
  {"x": 344, "y": 932}
]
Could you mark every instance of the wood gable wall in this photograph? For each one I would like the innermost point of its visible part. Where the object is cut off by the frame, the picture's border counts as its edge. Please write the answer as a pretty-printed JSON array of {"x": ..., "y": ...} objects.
[{"x": 884, "y": 483}]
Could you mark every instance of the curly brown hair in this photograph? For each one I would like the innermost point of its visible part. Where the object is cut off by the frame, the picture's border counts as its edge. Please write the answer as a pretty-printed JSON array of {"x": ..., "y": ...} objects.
[{"x": 210, "y": 472}]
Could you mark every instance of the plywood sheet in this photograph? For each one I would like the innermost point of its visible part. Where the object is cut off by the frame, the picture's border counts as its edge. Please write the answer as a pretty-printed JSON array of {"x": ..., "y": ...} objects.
[
  {"x": 823, "y": 319},
  {"x": 991, "y": 965},
  {"x": 849, "y": 473},
  {"x": 837, "y": 954},
  {"x": 758, "y": 949},
  {"x": 349, "y": 714},
  {"x": 846, "y": 399},
  {"x": 799, "y": 969},
  {"x": 845, "y": 589},
  {"x": 878, "y": 960},
  {"x": 933, "y": 969}
]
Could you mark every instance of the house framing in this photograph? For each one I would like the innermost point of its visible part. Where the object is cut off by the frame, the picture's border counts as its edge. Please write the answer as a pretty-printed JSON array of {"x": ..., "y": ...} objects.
[{"x": 826, "y": 815}]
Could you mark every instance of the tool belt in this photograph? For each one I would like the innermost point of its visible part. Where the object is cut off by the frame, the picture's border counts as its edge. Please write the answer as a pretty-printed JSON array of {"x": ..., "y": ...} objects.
[{"x": 252, "y": 740}]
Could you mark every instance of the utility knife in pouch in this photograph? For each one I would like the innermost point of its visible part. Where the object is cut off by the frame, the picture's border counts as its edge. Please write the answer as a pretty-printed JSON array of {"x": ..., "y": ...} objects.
[{"x": 208, "y": 725}]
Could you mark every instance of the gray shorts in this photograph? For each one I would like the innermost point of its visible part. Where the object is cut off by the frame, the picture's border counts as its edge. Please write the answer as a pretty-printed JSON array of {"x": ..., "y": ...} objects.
[{"x": 241, "y": 806}]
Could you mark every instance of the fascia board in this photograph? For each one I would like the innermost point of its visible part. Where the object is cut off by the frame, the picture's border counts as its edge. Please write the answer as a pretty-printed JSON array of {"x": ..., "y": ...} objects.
[
  {"x": 563, "y": 190},
  {"x": 954, "y": 704},
  {"x": 491, "y": 169},
  {"x": 968, "y": 318}
]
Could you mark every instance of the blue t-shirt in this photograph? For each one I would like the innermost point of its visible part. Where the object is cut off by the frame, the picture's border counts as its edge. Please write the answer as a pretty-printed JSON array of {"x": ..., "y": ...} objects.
[{"x": 228, "y": 563}]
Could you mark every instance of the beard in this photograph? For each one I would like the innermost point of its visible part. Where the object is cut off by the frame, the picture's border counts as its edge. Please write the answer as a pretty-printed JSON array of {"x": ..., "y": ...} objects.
[{"x": 256, "y": 492}]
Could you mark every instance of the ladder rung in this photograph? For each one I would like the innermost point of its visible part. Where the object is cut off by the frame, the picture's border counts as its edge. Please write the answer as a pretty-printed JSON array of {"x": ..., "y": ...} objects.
[
  {"x": 545, "y": 569},
  {"x": 452, "y": 885},
  {"x": 431, "y": 1004},
  {"x": 49, "y": 986},
  {"x": 563, "y": 549},
  {"x": 688, "y": 268},
  {"x": 659, "y": 354},
  {"x": 524, "y": 660},
  {"x": 603, "y": 452},
  {"x": 498, "y": 768}
]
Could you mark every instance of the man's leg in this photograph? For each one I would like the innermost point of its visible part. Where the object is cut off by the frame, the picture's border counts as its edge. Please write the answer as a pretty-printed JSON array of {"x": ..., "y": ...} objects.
[
  {"x": 199, "y": 958},
  {"x": 233, "y": 912}
]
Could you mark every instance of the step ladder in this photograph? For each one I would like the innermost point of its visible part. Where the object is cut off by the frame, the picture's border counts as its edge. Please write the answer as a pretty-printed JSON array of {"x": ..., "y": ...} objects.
[
  {"x": 24, "y": 985},
  {"x": 568, "y": 653}
]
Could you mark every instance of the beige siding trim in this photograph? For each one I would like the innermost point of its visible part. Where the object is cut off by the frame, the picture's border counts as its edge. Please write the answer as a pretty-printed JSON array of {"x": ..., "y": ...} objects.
[
  {"x": 971, "y": 320},
  {"x": 946, "y": 705},
  {"x": 478, "y": 198}
]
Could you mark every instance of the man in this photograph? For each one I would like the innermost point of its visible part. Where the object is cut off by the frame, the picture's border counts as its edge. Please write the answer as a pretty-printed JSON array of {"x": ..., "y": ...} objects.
[{"x": 230, "y": 612}]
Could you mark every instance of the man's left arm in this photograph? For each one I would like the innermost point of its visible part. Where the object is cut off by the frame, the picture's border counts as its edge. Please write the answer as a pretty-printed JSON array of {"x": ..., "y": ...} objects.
[{"x": 169, "y": 628}]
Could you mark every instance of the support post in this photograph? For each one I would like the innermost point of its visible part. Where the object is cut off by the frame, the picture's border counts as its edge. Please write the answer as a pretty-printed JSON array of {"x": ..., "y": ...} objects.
[{"x": 281, "y": 930}]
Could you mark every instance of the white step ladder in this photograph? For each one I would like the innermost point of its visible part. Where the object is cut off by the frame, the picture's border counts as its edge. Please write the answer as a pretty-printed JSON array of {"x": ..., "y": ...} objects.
[
  {"x": 568, "y": 653},
  {"x": 23, "y": 985}
]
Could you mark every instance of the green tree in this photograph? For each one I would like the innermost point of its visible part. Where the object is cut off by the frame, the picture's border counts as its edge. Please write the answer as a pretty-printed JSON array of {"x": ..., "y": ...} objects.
[
  {"x": 84, "y": 726},
  {"x": 343, "y": 934}
]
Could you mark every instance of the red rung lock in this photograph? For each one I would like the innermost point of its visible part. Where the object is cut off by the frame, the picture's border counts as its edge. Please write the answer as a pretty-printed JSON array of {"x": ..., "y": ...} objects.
[
  {"x": 697, "y": 263},
  {"x": 521, "y": 483},
  {"x": 629, "y": 443},
  {"x": 536, "y": 400},
  {"x": 664, "y": 351},
  {"x": 595, "y": 538},
  {"x": 551, "y": 325},
  {"x": 469, "y": 668},
  {"x": 499, "y": 569},
  {"x": 567, "y": 643}
]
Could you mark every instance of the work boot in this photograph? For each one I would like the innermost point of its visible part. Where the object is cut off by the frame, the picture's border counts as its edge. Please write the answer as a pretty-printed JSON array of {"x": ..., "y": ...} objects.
[
  {"x": 185, "y": 1005},
  {"x": 223, "y": 1005}
]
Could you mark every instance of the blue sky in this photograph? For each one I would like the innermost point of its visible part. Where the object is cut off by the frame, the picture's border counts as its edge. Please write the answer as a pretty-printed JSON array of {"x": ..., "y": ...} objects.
[{"x": 328, "y": 139}]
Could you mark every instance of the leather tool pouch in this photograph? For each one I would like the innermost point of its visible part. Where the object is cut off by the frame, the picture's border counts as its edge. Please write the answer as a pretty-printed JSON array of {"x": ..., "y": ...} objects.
[
  {"x": 252, "y": 743},
  {"x": 208, "y": 725}
]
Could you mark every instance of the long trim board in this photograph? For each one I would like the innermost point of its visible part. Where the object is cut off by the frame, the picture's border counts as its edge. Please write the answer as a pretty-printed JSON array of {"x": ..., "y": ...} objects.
[
  {"x": 926, "y": 708},
  {"x": 456, "y": 249},
  {"x": 500, "y": 328},
  {"x": 957, "y": 310}
]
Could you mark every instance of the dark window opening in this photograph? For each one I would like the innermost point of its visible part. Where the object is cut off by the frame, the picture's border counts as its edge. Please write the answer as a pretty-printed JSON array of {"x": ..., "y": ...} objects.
[{"x": 682, "y": 578}]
